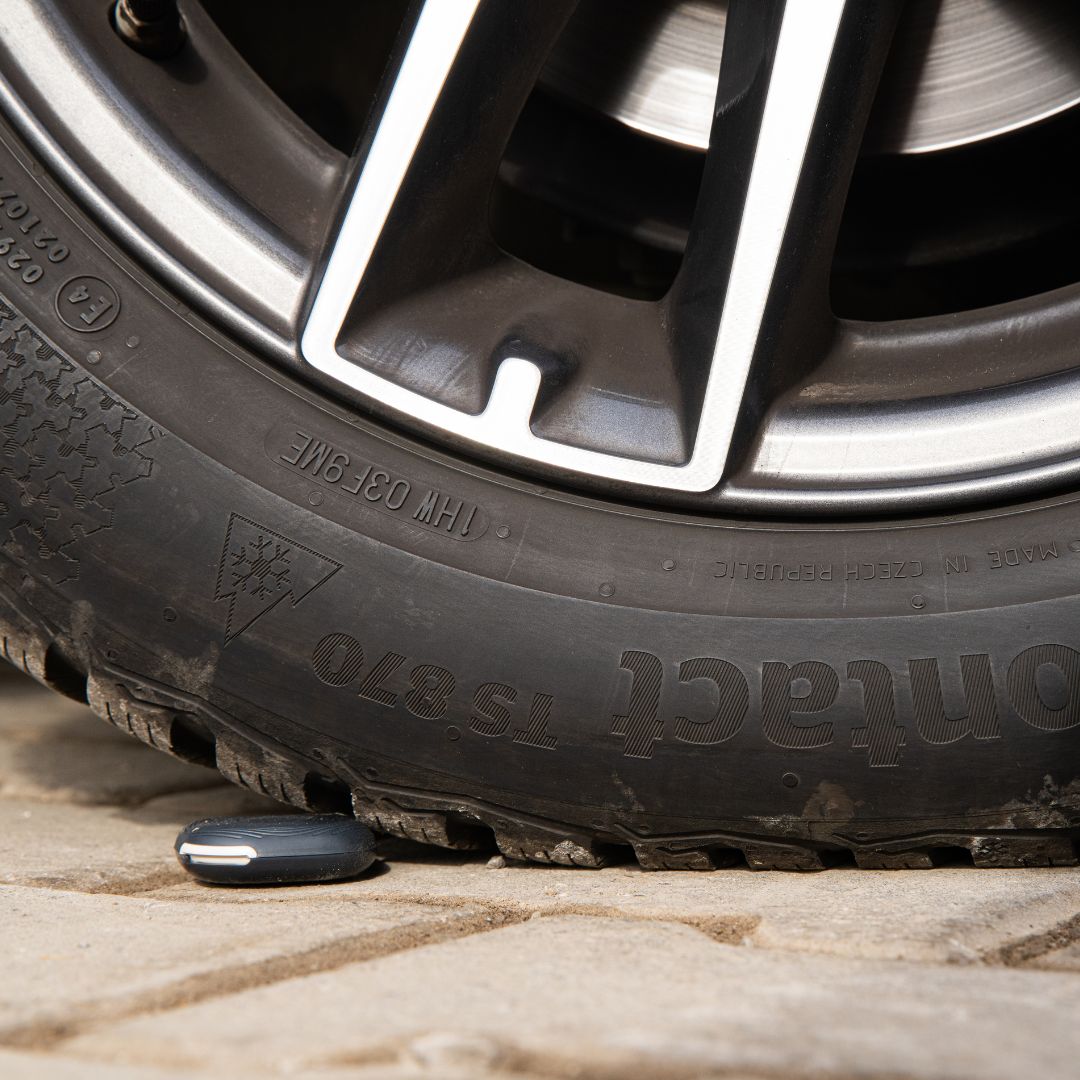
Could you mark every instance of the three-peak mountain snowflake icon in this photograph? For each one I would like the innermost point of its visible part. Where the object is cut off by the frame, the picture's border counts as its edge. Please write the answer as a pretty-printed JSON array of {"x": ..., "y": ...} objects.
[{"x": 260, "y": 568}]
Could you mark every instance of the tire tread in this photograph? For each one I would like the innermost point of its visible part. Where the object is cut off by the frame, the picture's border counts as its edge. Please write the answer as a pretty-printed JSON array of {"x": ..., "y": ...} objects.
[{"x": 190, "y": 735}]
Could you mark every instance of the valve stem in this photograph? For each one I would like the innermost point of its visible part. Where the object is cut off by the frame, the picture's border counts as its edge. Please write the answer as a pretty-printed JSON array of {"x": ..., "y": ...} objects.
[{"x": 153, "y": 27}]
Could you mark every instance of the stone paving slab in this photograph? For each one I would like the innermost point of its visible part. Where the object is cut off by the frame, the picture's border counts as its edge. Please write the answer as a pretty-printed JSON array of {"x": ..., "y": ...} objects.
[
  {"x": 27, "y": 709},
  {"x": 70, "y": 957},
  {"x": 93, "y": 772},
  {"x": 23, "y": 1065},
  {"x": 1066, "y": 959},
  {"x": 26, "y": 1065},
  {"x": 948, "y": 915},
  {"x": 56, "y": 750},
  {"x": 104, "y": 849},
  {"x": 646, "y": 998}
]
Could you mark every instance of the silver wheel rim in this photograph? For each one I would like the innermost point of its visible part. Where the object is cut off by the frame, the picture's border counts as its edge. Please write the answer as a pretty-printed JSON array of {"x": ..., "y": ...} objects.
[{"x": 817, "y": 447}]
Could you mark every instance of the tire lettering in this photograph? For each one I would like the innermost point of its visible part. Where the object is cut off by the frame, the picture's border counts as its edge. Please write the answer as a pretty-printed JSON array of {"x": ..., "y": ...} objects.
[
  {"x": 732, "y": 703},
  {"x": 535, "y": 733},
  {"x": 1044, "y": 687},
  {"x": 40, "y": 237},
  {"x": 372, "y": 687},
  {"x": 800, "y": 703},
  {"x": 641, "y": 726},
  {"x": 491, "y": 713},
  {"x": 933, "y": 722},
  {"x": 881, "y": 737},
  {"x": 337, "y": 659},
  {"x": 779, "y": 702},
  {"x": 369, "y": 486},
  {"x": 431, "y": 686}
]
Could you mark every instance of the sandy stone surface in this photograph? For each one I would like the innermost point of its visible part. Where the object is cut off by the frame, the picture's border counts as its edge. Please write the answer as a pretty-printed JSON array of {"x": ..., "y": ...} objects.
[{"x": 633, "y": 996}]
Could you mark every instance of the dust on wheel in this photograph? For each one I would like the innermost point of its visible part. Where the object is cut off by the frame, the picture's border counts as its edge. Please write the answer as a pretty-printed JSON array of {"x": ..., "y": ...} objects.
[{"x": 527, "y": 447}]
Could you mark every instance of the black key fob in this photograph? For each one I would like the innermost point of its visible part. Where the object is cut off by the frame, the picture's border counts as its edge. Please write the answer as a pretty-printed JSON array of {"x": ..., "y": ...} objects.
[{"x": 279, "y": 849}]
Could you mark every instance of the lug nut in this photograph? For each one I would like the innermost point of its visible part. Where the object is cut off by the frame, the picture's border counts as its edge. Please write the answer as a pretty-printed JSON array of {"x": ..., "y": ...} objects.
[{"x": 154, "y": 27}]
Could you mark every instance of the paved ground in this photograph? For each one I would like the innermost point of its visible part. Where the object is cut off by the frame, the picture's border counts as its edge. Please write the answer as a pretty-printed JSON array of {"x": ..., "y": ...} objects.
[{"x": 114, "y": 965}]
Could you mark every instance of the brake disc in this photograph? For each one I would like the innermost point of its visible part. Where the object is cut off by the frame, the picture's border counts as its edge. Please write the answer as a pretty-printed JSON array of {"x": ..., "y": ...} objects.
[{"x": 960, "y": 71}]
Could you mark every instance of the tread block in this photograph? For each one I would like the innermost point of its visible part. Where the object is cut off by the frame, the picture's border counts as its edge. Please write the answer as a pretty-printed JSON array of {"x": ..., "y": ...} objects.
[
  {"x": 894, "y": 860},
  {"x": 777, "y": 857},
  {"x": 1040, "y": 850},
  {"x": 21, "y": 644},
  {"x": 151, "y": 724},
  {"x": 422, "y": 826},
  {"x": 254, "y": 767},
  {"x": 661, "y": 857},
  {"x": 531, "y": 843}
]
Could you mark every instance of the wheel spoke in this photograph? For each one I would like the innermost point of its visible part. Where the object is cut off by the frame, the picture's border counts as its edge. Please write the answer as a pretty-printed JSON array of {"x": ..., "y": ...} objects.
[
  {"x": 753, "y": 283},
  {"x": 796, "y": 86},
  {"x": 418, "y": 210}
]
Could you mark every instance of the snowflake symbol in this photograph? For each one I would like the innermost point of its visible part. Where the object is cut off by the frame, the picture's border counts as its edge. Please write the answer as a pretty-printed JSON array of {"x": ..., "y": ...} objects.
[{"x": 261, "y": 568}]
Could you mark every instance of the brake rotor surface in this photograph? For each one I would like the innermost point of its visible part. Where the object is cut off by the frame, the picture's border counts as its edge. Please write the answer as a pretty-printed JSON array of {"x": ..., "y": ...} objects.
[{"x": 960, "y": 70}]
